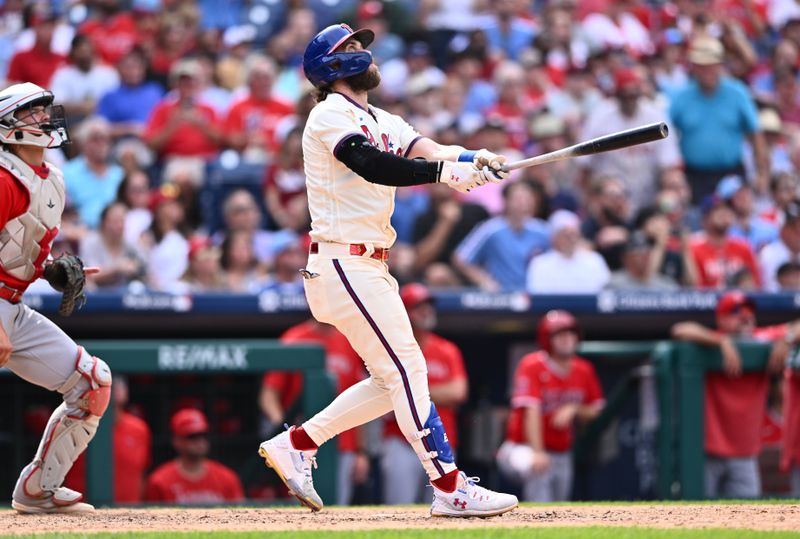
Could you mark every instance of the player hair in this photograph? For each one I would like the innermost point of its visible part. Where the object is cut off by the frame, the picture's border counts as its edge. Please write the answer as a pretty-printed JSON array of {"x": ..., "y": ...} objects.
[{"x": 322, "y": 92}]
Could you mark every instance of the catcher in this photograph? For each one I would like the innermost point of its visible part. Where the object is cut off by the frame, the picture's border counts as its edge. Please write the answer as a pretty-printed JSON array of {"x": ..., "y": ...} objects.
[{"x": 31, "y": 346}]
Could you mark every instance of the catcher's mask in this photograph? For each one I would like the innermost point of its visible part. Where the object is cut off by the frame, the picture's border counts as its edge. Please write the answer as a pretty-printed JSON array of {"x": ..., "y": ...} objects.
[{"x": 29, "y": 118}]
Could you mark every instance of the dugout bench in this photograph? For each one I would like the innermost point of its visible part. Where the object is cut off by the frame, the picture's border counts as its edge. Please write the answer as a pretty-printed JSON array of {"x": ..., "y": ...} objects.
[{"x": 207, "y": 356}]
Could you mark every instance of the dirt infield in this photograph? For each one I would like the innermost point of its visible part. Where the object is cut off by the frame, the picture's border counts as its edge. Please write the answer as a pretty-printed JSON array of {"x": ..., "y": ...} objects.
[{"x": 756, "y": 517}]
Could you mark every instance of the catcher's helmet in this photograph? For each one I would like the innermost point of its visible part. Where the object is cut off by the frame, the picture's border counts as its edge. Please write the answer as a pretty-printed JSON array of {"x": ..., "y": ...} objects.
[
  {"x": 24, "y": 131},
  {"x": 414, "y": 294},
  {"x": 323, "y": 66},
  {"x": 554, "y": 322}
]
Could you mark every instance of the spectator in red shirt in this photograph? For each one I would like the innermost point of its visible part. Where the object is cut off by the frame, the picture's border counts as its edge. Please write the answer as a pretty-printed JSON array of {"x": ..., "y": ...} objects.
[
  {"x": 552, "y": 390},
  {"x": 131, "y": 451},
  {"x": 181, "y": 125},
  {"x": 112, "y": 31},
  {"x": 192, "y": 478},
  {"x": 735, "y": 402},
  {"x": 251, "y": 122},
  {"x": 39, "y": 63},
  {"x": 719, "y": 257},
  {"x": 281, "y": 389},
  {"x": 404, "y": 481}
]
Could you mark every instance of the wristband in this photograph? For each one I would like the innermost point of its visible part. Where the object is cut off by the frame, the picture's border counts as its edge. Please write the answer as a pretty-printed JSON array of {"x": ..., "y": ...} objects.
[{"x": 467, "y": 156}]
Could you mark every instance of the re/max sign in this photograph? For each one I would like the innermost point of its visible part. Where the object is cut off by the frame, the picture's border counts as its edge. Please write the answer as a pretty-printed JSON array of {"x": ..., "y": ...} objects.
[{"x": 184, "y": 357}]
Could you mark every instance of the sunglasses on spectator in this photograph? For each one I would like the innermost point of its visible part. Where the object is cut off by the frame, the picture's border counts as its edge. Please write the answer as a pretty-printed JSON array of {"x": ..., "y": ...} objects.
[{"x": 195, "y": 436}]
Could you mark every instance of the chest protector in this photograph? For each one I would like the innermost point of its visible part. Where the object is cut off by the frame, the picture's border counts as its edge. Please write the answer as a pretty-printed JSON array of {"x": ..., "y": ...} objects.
[{"x": 26, "y": 240}]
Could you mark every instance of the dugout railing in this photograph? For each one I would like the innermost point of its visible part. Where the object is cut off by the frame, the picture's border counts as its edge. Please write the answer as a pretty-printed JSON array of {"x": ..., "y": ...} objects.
[
  {"x": 209, "y": 357},
  {"x": 680, "y": 371}
]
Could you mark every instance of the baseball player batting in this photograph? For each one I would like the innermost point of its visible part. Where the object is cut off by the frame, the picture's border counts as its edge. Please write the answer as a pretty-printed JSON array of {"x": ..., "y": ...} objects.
[
  {"x": 31, "y": 346},
  {"x": 355, "y": 157}
]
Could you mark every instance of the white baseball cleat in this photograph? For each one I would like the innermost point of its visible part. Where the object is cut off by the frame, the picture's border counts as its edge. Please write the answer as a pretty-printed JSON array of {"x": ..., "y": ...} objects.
[
  {"x": 293, "y": 467},
  {"x": 61, "y": 500},
  {"x": 470, "y": 500}
]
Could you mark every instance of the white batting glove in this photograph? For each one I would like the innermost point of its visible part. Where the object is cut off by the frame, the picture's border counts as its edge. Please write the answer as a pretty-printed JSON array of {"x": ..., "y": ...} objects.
[
  {"x": 484, "y": 159},
  {"x": 460, "y": 176}
]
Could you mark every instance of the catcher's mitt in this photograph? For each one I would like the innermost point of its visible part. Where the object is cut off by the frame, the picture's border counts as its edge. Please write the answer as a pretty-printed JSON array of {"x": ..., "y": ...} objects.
[{"x": 66, "y": 275}]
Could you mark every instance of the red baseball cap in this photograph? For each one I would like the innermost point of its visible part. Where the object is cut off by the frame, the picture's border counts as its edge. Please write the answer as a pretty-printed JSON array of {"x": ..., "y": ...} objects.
[
  {"x": 189, "y": 421},
  {"x": 626, "y": 77},
  {"x": 414, "y": 294},
  {"x": 164, "y": 193},
  {"x": 732, "y": 301}
]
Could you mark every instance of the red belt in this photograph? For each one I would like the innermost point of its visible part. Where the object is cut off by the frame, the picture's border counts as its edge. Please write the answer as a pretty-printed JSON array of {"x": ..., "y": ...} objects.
[
  {"x": 10, "y": 294},
  {"x": 356, "y": 249}
]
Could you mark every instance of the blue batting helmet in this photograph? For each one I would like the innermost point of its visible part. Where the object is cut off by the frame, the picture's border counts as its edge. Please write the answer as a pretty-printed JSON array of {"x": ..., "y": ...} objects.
[{"x": 323, "y": 66}]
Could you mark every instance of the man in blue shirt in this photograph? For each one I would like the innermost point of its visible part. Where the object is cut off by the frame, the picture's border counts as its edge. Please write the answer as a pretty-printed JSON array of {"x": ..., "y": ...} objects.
[
  {"x": 495, "y": 255},
  {"x": 713, "y": 114},
  {"x": 91, "y": 178},
  {"x": 129, "y": 106}
]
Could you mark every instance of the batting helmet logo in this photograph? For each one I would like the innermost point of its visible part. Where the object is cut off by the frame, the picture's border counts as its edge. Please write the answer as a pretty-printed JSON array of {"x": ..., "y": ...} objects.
[{"x": 322, "y": 65}]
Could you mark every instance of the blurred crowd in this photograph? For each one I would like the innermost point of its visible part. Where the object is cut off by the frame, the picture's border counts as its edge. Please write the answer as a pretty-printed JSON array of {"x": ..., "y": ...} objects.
[{"x": 186, "y": 173}]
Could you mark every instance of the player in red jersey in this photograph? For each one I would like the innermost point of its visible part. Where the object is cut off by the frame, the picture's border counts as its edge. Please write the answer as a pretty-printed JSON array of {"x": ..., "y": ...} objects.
[
  {"x": 281, "y": 389},
  {"x": 735, "y": 402},
  {"x": 403, "y": 480},
  {"x": 192, "y": 478},
  {"x": 552, "y": 390}
]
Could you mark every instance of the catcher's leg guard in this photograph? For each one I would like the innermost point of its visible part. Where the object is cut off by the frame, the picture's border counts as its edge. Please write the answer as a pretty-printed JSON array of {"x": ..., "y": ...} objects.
[{"x": 73, "y": 424}]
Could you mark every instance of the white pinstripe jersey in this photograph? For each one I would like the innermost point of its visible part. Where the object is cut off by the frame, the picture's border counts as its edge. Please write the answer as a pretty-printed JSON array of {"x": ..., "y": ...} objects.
[{"x": 344, "y": 207}]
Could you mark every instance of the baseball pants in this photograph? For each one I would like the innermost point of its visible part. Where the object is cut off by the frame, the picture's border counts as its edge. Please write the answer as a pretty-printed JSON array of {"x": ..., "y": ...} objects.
[
  {"x": 551, "y": 485},
  {"x": 41, "y": 352},
  {"x": 360, "y": 298},
  {"x": 732, "y": 477}
]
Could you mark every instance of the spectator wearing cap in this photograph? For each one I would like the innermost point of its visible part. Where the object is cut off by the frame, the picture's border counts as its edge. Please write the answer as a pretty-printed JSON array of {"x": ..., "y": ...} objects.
[
  {"x": 637, "y": 267},
  {"x": 237, "y": 42},
  {"x": 568, "y": 267},
  {"x": 129, "y": 105},
  {"x": 775, "y": 137},
  {"x": 83, "y": 81},
  {"x": 107, "y": 249},
  {"x": 181, "y": 125},
  {"x": 735, "y": 401},
  {"x": 91, "y": 178},
  {"x": 718, "y": 256},
  {"x": 164, "y": 244},
  {"x": 204, "y": 273},
  {"x": 506, "y": 33},
  {"x": 439, "y": 230},
  {"x": 784, "y": 249},
  {"x": 192, "y": 478},
  {"x": 495, "y": 254},
  {"x": 38, "y": 63},
  {"x": 615, "y": 27},
  {"x": 713, "y": 115},
  {"x": 747, "y": 225},
  {"x": 641, "y": 168},
  {"x": 416, "y": 61},
  {"x": 250, "y": 125}
]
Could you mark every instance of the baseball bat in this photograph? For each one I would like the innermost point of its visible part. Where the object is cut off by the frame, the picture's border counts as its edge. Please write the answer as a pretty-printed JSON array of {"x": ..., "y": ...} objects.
[{"x": 606, "y": 143}]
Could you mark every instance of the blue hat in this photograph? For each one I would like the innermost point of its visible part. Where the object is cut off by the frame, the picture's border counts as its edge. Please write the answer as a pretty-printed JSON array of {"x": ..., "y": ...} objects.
[
  {"x": 729, "y": 186},
  {"x": 710, "y": 202},
  {"x": 323, "y": 66}
]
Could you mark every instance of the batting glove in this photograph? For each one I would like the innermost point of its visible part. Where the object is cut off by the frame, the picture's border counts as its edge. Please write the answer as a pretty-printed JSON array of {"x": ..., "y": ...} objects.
[
  {"x": 492, "y": 163},
  {"x": 460, "y": 176}
]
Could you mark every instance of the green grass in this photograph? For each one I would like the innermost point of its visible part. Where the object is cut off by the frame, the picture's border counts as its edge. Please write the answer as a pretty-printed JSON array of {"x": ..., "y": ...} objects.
[{"x": 475, "y": 533}]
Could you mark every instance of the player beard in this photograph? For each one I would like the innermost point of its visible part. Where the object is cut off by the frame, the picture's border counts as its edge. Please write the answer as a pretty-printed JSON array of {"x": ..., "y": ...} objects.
[{"x": 366, "y": 81}]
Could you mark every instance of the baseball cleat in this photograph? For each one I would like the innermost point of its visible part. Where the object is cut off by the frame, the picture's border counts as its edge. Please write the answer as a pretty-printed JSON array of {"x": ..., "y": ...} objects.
[
  {"x": 61, "y": 500},
  {"x": 470, "y": 500},
  {"x": 293, "y": 467}
]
